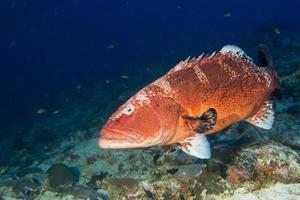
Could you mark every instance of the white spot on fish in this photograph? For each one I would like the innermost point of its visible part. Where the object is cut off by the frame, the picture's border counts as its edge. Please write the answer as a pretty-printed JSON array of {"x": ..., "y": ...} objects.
[
  {"x": 200, "y": 75},
  {"x": 142, "y": 98},
  {"x": 228, "y": 69},
  {"x": 164, "y": 85},
  {"x": 265, "y": 75}
]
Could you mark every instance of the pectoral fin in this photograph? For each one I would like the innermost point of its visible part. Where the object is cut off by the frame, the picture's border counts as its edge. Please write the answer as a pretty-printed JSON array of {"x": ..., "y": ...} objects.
[
  {"x": 203, "y": 123},
  {"x": 196, "y": 146}
]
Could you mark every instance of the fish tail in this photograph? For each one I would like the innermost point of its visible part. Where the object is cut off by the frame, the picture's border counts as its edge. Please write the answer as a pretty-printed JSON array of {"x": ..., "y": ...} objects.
[
  {"x": 264, "y": 56},
  {"x": 265, "y": 60}
]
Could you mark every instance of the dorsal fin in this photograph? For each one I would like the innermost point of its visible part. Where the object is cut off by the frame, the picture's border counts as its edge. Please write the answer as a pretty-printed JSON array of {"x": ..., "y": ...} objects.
[
  {"x": 189, "y": 62},
  {"x": 265, "y": 116},
  {"x": 236, "y": 51},
  {"x": 232, "y": 49}
]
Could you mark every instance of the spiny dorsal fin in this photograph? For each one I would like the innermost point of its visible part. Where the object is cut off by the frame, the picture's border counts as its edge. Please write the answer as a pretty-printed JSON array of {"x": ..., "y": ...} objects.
[
  {"x": 204, "y": 122},
  {"x": 197, "y": 146},
  {"x": 236, "y": 51},
  {"x": 186, "y": 63},
  {"x": 264, "y": 118}
]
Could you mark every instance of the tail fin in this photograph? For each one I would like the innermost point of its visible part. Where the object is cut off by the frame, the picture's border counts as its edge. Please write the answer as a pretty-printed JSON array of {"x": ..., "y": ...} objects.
[
  {"x": 265, "y": 116},
  {"x": 264, "y": 57},
  {"x": 265, "y": 60}
]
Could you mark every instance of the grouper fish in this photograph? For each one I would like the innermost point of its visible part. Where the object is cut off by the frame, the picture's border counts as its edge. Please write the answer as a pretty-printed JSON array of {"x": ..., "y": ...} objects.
[{"x": 197, "y": 97}]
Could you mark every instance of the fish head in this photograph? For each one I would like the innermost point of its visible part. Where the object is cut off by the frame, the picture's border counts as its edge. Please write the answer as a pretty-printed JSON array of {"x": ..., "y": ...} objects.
[{"x": 140, "y": 122}]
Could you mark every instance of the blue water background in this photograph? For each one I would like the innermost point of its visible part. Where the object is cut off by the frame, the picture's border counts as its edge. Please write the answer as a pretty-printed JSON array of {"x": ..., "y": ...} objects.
[{"x": 50, "y": 47}]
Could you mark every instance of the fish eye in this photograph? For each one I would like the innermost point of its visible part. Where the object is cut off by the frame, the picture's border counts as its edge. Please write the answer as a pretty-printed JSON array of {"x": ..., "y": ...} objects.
[{"x": 129, "y": 109}]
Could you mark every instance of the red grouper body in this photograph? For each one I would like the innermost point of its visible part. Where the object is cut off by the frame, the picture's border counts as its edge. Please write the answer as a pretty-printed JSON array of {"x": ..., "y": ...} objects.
[{"x": 197, "y": 97}]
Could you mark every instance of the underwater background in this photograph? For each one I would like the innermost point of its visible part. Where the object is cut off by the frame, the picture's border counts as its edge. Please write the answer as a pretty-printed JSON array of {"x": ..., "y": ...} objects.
[{"x": 67, "y": 65}]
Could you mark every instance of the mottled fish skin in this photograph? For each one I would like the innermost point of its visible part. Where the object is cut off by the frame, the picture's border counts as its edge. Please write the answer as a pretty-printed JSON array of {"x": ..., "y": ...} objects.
[
  {"x": 228, "y": 82},
  {"x": 233, "y": 85}
]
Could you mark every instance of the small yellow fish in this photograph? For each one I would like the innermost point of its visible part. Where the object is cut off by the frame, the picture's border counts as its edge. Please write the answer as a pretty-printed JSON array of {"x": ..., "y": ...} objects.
[
  {"x": 41, "y": 111},
  {"x": 125, "y": 77},
  {"x": 277, "y": 31},
  {"x": 55, "y": 112},
  {"x": 227, "y": 14},
  {"x": 121, "y": 97},
  {"x": 110, "y": 46},
  {"x": 3, "y": 170},
  {"x": 12, "y": 44},
  {"x": 78, "y": 87}
]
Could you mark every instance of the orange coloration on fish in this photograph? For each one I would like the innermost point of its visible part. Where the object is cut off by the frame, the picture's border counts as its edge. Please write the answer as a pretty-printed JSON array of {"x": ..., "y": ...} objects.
[{"x": 198, "y": 96}]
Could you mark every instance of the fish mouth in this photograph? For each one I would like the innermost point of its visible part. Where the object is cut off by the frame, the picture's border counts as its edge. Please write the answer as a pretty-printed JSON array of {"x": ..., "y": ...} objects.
[{"x": 116, "y": 139}]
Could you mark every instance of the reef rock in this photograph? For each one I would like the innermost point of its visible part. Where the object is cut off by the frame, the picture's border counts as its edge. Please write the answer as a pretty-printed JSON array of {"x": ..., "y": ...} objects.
[{"x": 60, "y": 175}]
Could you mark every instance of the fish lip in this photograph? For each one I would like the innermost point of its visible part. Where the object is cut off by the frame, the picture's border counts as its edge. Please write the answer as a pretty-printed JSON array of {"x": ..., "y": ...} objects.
[
  {"x": 119, "y": 139},
  {"x": 114, "y": 138},
  {"x": 124, "y": 135},
  {"x": 113, "y": 143}
]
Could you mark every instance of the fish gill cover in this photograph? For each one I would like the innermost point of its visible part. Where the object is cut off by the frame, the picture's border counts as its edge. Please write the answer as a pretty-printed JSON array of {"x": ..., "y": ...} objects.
[{"x": 66, "y": 66}]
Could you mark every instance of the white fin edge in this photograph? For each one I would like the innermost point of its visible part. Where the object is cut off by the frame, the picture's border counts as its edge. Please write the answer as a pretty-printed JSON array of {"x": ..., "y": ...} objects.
[
  {"x": 265, "y": 117},
  {"x": 197, "y": 146},
  {"x": 235, "y": 50},
  {"x": 232, "y": 49}
]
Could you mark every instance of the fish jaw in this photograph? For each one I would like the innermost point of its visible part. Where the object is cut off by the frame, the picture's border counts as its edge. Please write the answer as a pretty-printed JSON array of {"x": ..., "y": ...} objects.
[
  {"x": 110, "y": 143},
  {"x": 116, "y": 139}
]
